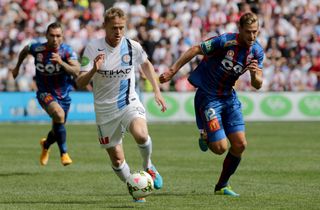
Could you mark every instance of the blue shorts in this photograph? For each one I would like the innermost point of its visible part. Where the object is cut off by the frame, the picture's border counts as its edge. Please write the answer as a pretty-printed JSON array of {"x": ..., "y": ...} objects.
[
  {"x": 45, "y": 100},
  {"x": 218, "y": 116}
]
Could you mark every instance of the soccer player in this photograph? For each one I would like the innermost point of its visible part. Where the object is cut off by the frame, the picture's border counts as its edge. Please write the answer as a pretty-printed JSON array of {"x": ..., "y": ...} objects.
[
  {"x": 56, "y": 67},
  {"x": 217, "y": 108},
  {"x": 110, "y": 63}
]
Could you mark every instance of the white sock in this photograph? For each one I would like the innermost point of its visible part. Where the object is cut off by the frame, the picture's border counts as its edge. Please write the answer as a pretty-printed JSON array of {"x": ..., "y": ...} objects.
[
  {"x": 123, "y": 171},
  {"x": 146, "y": 150}
]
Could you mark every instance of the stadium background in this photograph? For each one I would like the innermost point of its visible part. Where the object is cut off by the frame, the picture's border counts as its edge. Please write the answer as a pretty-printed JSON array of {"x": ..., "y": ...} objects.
[
  {"x": 280, "y": 169},
  {"x": 290, "y": 35}
]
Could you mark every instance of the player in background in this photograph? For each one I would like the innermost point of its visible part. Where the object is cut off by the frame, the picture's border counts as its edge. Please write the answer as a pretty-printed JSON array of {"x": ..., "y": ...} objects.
[
  {"x": 110, "y": 63},
  {"x": 217, "y": 108},
  {"x": 56, "y": 66}
]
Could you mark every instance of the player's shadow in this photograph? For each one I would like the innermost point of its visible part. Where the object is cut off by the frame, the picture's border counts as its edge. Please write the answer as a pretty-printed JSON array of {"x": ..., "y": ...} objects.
[
  {"x": 9, "y": 174},
  {"x": 94, "y": 203}
]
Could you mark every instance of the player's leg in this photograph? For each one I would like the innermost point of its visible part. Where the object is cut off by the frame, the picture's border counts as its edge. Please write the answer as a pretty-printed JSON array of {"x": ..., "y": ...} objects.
[
  {"x": 209, "y": 116},
  {"x": 211, "y": 113},
  {"x": 110, "y": 138},
  {"x": 138, "y": 129},
  {"x": 58, "y": 132},
  {"x": 45, "y": 99},
  {"x": 203, "y": 139},
  {"x": 231, "y": 163},
  {"x": 119, "y": 165},
  {"x": 209, "y": 123},
  {"x": 58, "y": 116},
  {"x": 135, "y": 122},
  {"x": 234, "y": 128}
]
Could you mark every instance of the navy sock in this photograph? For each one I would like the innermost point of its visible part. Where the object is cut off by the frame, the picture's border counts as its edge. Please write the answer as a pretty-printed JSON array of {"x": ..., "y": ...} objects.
[
  {"x": 230, "y": 165},
  {"x": 60, "y": 136},
  {"x": 50, "y": 140}
]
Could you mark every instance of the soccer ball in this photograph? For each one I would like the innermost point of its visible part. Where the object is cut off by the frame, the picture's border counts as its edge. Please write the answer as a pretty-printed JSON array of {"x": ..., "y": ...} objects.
[{"x": 140, "y": 184}]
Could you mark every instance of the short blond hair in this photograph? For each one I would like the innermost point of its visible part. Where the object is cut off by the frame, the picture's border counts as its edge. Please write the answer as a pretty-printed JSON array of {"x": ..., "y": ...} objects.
[
  {"x": 113, "y": 12},
  {"x": 248, "y": 19}
]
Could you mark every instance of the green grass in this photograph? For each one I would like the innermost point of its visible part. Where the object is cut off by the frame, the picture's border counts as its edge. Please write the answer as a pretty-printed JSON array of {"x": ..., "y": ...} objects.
[{"x": 280, "y": 170}]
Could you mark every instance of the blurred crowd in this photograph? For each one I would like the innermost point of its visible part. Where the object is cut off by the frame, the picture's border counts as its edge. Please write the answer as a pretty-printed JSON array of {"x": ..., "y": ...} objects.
[{"x": 289, "y": 33}]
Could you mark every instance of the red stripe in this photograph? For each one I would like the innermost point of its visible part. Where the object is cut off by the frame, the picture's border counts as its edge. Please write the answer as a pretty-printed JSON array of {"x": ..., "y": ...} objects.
[
  {"x": 221, "y": 83},
  {"x": 247, "y": 54},
  {"x": 236, "y": 52},
  {"x": 210, "y": 38},
  {"x": 57, "y": 86},
  {"x": 44, "y": 76},
  {"x": 104, "y": 140}
]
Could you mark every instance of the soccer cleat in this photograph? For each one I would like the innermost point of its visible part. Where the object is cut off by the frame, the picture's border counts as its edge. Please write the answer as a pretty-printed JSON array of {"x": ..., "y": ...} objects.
[
  {"x": 203, "y": 142},
  {"x": 157, "y": 179},
  {"x": 44, "y": 157},
  {"x": 226, "y": 191},
  {"x": 139, "y": 200},
  {"x": 65, "y": 159}
]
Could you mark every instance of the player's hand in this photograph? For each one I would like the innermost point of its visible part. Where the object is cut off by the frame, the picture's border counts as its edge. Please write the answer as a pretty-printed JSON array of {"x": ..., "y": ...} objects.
[
  {"x": 15, "y": 72},
  {"x": 253, "y": 67},
  {"x": 160, "y": 101},
  {"x": 55, "y": 58},
  {"x": 166, "y": 76},
  {"x": 98, "y": 61}
]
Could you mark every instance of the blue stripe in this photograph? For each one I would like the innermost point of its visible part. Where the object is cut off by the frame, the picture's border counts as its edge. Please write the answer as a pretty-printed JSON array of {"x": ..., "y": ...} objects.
[
  {"x": 123, "y": 99},
  {"x": 124, "y": 51}
]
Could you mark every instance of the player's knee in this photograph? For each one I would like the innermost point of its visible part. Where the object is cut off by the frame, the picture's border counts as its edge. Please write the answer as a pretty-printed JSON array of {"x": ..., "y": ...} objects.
[
  {"x": 58, "y": 116},
  {"x": 218, "y": 147},
  {"x": 142, "y": 138},
  {"x": 218, "y": 150},
  {"x": 239, "y": 147},
  {"x": 242, "y": 146}
]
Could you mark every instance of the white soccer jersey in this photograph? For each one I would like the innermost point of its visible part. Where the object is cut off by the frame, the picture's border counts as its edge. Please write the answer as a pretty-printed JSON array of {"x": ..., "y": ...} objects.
[{"x": 114, "y": 83}]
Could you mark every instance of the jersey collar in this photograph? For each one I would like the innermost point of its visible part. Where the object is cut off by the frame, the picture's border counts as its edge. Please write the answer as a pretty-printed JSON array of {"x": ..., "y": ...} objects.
[{"x": 110, "y": 48}]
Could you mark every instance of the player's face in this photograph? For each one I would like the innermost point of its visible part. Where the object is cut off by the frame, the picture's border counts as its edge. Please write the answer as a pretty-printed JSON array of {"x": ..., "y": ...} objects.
[
  {"x": 248, "y": 34},
  {"x": 114, "y": 30},
  {"x": 54, "y": 37}
]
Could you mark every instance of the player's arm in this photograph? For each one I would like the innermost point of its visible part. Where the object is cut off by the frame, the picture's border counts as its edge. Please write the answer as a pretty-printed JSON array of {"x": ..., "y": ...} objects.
[
  {"x": 22, "y": 55},
  {"x": 85, "y": 77},
  {"x": 150, "y": 74},
  {"x": 184, "y": 58},
  {"x": 256, "y": 74},
  {"x": 72, "y": 66}
]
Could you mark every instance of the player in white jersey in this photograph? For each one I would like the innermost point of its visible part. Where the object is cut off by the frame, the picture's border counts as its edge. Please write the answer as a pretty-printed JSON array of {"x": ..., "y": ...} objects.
[{"x": 110, "y": 63}]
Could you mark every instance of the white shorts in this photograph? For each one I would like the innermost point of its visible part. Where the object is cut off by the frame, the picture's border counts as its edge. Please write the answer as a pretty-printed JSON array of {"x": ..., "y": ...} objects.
[{"x": 111, "y": 133}]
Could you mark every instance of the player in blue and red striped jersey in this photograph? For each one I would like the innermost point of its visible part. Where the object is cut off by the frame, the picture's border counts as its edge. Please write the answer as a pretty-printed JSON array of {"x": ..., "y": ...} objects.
[
  {"x": 218, "y": 110},
  {"x": 56, "y": 67}
]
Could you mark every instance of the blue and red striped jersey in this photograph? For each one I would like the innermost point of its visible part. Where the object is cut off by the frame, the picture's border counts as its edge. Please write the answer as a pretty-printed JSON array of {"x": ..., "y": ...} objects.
[
  {"x": 51, "y": 77},
  {"x": 224, "y": 62}
]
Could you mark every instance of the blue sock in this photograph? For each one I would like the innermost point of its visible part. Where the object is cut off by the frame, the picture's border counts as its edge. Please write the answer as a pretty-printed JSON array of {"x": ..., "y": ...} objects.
[
  {"x": 60, "y": 136},
  {"x": 230, "y": 165},
  {"x": 50, "y": 140}
]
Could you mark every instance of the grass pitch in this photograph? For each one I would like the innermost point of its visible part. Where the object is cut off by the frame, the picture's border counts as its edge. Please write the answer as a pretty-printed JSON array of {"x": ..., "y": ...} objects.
[{"x": 280, "y": 170}]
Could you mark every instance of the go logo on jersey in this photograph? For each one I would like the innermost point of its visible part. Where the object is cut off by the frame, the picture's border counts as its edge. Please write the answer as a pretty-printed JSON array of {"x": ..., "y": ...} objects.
[
  {"x": 230, "y": 66},
  {"x": 48, "y": 68}
]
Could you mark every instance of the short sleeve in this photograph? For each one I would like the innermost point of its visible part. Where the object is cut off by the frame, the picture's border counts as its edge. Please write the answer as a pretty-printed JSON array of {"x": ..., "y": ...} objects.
[
  {"x": 72, "y": 54},
  {"x": 87, "y": 59},
  {"x": 139, "y": 55},
  {"x": 209, "y": 46}
]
